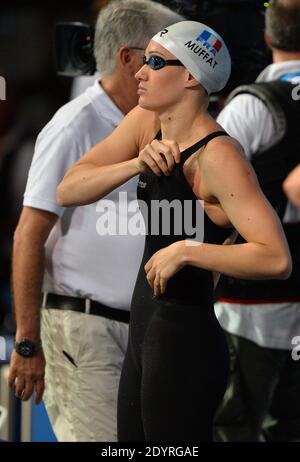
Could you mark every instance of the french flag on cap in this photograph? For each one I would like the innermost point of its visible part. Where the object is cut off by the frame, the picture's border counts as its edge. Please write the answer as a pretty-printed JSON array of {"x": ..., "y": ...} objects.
[{"x": 210, "y": 41}]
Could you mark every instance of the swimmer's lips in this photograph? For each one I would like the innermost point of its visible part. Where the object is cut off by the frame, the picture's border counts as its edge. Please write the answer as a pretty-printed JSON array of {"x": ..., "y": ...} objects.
[{"x": 141, "y": 90}]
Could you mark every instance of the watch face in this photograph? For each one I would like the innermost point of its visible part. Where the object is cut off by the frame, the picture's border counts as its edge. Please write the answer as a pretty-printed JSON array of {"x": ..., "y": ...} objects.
[{"x": 26, "y": 348}]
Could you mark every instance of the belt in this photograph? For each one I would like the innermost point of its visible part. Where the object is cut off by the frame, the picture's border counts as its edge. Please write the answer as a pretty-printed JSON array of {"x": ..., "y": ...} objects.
[{"x": 83, "y": 305}]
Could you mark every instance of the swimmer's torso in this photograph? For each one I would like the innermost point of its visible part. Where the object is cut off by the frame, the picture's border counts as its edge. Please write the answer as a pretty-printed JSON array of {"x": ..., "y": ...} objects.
[{"x": 183, "y": 215}]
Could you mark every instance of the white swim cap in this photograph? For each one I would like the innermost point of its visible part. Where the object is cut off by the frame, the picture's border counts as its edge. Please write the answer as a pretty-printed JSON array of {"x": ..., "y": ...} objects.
[{"x": 201, "y": 50}]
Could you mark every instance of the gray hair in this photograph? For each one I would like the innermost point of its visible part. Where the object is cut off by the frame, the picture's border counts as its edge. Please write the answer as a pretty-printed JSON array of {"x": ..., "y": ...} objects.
[
  {"x": 129, "y": 23},
  {"x": 283, "y": 24}
]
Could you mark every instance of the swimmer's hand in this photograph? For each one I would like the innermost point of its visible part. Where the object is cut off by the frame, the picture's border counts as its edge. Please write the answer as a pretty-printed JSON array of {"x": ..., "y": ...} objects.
[
  {"x": 163, "y": 265},
  {"x": 158, "y": 157}
]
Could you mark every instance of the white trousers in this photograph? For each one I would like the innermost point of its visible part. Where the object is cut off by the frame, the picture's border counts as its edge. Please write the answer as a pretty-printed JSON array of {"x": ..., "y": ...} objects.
[{"x": 84, "y": 356}]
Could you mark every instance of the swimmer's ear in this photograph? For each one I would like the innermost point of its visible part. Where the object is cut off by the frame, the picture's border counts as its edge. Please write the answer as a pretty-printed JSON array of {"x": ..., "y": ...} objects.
[{"x": 191, "y": 82}]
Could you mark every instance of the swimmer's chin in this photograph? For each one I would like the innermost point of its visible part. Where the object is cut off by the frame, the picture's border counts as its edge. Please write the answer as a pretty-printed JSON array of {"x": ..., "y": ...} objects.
[
  {"x": 143, "y": 104},
  {"x": 147, "y": 106}
]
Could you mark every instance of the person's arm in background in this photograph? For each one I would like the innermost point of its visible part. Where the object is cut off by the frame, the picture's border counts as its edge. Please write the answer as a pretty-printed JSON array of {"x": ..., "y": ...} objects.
[
  {"x": 110, "y": 163},
  {"x": 55, "y": 151},
  {"x": 28, "y": 270},
  {"x": 291, "y": 186}
]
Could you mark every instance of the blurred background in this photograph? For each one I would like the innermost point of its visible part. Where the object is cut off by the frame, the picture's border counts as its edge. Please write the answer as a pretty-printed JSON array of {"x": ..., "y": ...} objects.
[{"x": 34, "y": 92}]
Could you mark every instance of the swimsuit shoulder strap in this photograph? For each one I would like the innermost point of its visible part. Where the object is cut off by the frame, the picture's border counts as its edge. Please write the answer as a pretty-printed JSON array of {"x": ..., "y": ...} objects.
[{"x": 191, "y": 149}]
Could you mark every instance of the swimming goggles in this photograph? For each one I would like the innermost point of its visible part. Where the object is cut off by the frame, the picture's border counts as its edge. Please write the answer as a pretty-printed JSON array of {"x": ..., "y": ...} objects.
[{"x": 157, "y": 62}]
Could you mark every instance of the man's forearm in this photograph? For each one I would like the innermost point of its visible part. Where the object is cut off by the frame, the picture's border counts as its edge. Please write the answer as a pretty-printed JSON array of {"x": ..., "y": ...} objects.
[{"x": 28, "y": 271}]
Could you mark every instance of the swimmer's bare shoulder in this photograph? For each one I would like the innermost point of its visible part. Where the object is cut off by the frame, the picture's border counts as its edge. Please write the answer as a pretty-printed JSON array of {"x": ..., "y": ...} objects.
[
  {"x": 221, "y": 151},
  {"x": 137, "y": 129},
  {"x": 226, "y": 172}
]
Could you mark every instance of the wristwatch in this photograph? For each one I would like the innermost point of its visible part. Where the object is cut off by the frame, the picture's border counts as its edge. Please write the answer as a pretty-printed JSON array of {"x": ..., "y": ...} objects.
[{"x": 27, "y": 348}]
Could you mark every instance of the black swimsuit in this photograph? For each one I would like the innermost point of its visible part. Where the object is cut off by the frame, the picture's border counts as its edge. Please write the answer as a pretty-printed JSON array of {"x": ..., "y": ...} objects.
[{"x": 176, "y": 366}]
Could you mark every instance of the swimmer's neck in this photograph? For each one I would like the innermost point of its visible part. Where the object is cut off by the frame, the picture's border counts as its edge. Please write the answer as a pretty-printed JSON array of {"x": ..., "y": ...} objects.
[{"x": 186, "y": 127}]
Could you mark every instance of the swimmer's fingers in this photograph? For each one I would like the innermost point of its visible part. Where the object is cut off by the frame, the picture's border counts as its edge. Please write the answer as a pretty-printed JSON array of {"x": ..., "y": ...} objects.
[
  {"x": 150, "y": 274},
  {"x": 163, "y": 284},
  {"x": 169, "y": 150},
  {"x": 173, "y": 148},
  {"x": 157, "y": 281},
  {"x": 153, "y": 277},
  {"x": 148, "y": 265},
  {"x": 151, "y": 160},
  {"x": 158, "y": 157},
  {"x": 156, "y": 285}
]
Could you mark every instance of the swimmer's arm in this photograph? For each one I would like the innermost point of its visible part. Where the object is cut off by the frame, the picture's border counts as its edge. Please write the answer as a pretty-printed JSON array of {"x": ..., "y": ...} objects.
[
  {"x": 110, "y": 163},
  {"x": 265, "y": 255}
]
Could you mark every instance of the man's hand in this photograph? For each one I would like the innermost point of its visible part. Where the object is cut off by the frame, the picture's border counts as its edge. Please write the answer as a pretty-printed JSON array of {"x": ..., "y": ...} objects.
[{"x": 27, "y": 375}]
